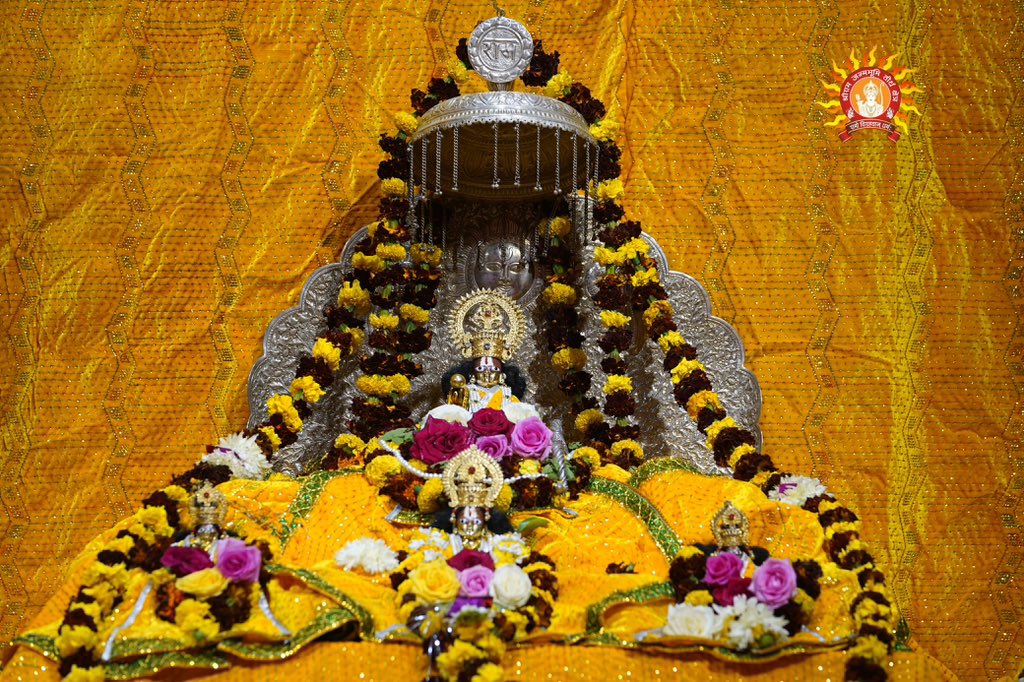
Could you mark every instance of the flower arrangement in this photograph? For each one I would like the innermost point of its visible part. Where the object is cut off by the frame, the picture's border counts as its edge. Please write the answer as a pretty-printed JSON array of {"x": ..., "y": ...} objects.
[
  {"x": 716, "y": 601},
  {"x": 466, "y": 604}
]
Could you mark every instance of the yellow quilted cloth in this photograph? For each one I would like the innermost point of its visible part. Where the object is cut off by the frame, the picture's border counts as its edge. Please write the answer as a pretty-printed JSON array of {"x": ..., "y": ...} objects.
[{"x": 173, "y": 172}]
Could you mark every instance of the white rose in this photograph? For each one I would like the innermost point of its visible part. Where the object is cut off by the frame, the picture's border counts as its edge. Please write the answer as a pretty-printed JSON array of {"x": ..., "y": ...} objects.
[
  {"x": 450, "y": 413},
  {"x": 510, "y": 586},
  {"x": 686, "y": 620},
  {"x": 517, "y": 412}
]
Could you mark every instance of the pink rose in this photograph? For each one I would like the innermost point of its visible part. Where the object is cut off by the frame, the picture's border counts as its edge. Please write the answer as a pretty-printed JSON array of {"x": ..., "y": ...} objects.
[
  {"x": 774, "y": 582},
  {"x": 490, "y": 422},
  {"x": 182, "y": 561},
  {"x": 475, "y": 581},
  {"x": 721, "y": 568},
  {"x": 725, "y": 594},
  {"x": 531, "y": 438},
  {"x": 468, "y": 558},
  {"x": 238, "y": 561},
  {"x": 495, "y": 446},
  {"x": 438, "y": 441}
]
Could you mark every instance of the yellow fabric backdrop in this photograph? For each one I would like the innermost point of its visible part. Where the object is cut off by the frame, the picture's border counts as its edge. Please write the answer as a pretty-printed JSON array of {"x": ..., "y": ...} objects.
[{"x": 173, "y": 171}]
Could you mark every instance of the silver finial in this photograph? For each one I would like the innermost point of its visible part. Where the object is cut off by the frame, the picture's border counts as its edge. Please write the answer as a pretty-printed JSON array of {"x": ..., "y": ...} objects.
[{"x": 500, "y": 50}]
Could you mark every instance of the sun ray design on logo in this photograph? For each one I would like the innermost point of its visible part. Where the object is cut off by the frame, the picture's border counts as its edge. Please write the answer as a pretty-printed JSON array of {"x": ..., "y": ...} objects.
[{"x": 870, "y": 93}]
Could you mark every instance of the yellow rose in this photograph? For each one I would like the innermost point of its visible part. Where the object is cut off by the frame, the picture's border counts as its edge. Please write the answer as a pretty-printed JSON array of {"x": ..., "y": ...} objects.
[
  {"x": 393, "y": 187},
  {"x": 618, "y": 383},
  {"x": 558, "y": 85},
  {"x": 204, "y": 584},
  {"x": 557, "y": 293},
  {"x": 391, "y": 252},
  {"x": 434, "y": 582},
  {"x": 612, "y": 319},
  {"x": 406, "y": 122},
  {"x": 380, "y": 469},
  {"x": 306, "y": 388},
  {"x": 385, "y": 321},
  {"x": 610, "y": 190},
  {"x": 328, "y": 352}
]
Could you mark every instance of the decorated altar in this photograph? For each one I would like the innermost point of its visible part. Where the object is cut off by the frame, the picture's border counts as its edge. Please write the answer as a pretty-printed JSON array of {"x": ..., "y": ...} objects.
[{"x": 496, "y": 436}]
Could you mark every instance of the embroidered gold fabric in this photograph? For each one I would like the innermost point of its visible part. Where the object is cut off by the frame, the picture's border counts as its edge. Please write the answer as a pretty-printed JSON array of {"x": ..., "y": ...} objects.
[{"x": 174, "y": 171}]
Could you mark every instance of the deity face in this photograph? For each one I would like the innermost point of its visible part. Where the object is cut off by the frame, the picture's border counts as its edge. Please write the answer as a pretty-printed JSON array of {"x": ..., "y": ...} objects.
[
  {"x": 503, "y": 265},
  {"x": 487, "y": 372},
  {"x": 871, "y": 92}
]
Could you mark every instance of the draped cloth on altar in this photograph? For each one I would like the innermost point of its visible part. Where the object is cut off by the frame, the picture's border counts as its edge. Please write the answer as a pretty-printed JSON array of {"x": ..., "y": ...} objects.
[{"x": 175, "y": 171}]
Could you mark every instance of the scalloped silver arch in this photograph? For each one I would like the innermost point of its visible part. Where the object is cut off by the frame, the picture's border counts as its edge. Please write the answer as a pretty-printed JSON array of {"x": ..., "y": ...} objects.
[{"x": 666, "y": 429}]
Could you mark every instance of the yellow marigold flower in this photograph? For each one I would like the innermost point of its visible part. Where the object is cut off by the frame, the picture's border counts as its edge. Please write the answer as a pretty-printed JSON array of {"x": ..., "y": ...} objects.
[
  {"x": 374, "y": 384},
  {"x": 716, "y": 428},
  {"x": 104, "y": 594},
  {"x": 610, "y": 190},
  {"x": 176, "y": 493},
  {"x": 670, "y": 340},
  {"x": 328, "y": 352},
  {"x": 588, "y": 455},
  {"x": 739, "y": 453},
  {"x": 643, "y": 277},
  {"x": 699, "y": 401},
  {"x": 357, "y": 338},
  {"x": 427, "y": 254},
  {"x": 406, "y": 122},
  {"x": 386, "y": 321},
  {"x": 434, "y": 582},
  {"x": 272, "y": 437},
  {"x": 700, "y": 598},
  {"x": 557, "y": 293},
  {"x": 804, "y": 601},
  {"x": 76, "y": 638},
  {"x": 689, "y": 551},
  {"x": 605, "y": 130},
  {"x": 204, "y": 584},
  {"x": 352, "y": 295},
  {"x": 415, "y": 314},
  {"x": 504, "y": 499},
  {"x": 761, "y": 478},
  {"x": 558, "y": 85},
  {"x": 828, "y": 505},
  {"x": 684, "y": 369},
  {"x": 841, "y": 527},
  {"x": 529, "y": 466},
  {"x": 612, "y": 319},
  {"x": 617, "y": 383},
  {"x": 400, "y": 384},
  {"x": 418, "y": 465},
  {"x": 869, "y": 647},
  {"x": 854, "y": 544},
  {"x": 628, "y": 446},
  {"x": 456, "y": 658},
  {"x": 588, "y": 418},
  {"x": 155, "y": 519},
  {"x": 558, "y": 226},
  {"x": 566, "y": 359},
  {"x": 307, "y": 387},
  {"x": 457, "y": 71},
  {"x": 123, "y": 545},
  {"x": 282, "y": 405},
  {"x": 393, "y": 187},
  {"x": 93, "y": 674},
  {"x": 489, "y": 672},
  {"x": 194, "y": 618},
  {"x": 380, "y": 469},
  {"x": 391, "y": 252},
  {"x": 347, "y": 441},
  {"x": 635, "y": 248},
  {"x": 429, "y": 498},
  {"x": 656, "y": 310},
  {"x": 360, "y": 261},
  {"x": 606, "y": 257}
]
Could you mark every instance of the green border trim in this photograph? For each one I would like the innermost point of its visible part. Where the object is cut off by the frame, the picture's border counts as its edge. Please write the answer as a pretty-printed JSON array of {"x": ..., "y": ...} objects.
[
  {"x": 666, "y": 539},
  {"x": 41, "y": 643},
  {"x": 637, "y": 595},
  {"x": 150, "y": 665},
  {"x": 275, "y": 651},
  {"x": 305, "y": 500},
  {"x": 320, "y": 585},
  {"x": 657, "y": 466}
]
